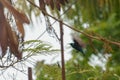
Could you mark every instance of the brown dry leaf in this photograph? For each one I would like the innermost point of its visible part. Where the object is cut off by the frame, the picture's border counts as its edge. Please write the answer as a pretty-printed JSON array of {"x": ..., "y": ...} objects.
[
  {"x": 62, "y": 2},
  {"x": 15, "y": 48},
  {"x": 66, "y": 1},
  {"x": 57, "y": 4},
  {"x": 47, "y": 2},
  {"x": 3, "y": 32},
  {"x": 20, "y": 29},
  {"x": 3, "y": 39},
  {"x": 15, "y": 38},
  {"x": 50, "y": 3},
  {"x": 13, "y": 42},
  {"x": 7, "y": 36},
  {"x": 19, "y": 16},
  {"x": 42, "y": 6}
]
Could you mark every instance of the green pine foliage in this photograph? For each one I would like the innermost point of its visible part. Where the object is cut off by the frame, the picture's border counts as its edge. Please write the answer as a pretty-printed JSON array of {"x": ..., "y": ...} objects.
[
  {"x": 47, "y": 71},
  {"x": 38, "y": 46}
]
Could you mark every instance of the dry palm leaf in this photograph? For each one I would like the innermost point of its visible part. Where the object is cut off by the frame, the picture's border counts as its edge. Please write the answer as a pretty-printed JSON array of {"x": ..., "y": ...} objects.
[
  {"x": 3, "y": 32},
  {"x": 20, "y": 29},
  {"x": 19, "y": 16},
  {"x": 8, "y": 37},
  {"x": 57, "y": 4},
  {"x": 42, "y": 6},
  {"x": 62, "y": 2},
  {"x": 14, "y": 43},
  {"x": 52, "y": 3},
  {"x": 47, "y": 2}
]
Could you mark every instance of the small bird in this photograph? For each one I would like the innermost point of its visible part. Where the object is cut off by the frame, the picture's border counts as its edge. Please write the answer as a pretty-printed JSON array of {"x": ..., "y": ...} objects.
[{"x": 78, "y": 44}]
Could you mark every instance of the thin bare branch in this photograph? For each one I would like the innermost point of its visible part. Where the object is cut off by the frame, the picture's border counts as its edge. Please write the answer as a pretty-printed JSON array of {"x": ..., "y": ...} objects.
[{"x": 62, "y": 51}]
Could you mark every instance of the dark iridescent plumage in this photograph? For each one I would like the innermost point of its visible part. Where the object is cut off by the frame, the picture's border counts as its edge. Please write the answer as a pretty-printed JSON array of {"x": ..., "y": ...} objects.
[{"x": 78, "y": 44}]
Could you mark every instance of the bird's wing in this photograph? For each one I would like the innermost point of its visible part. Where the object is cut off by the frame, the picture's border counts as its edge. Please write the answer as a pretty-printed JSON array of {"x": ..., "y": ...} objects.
[
  {"x": 75, "y": 42},
  {"x": 78, "y": 41}
]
